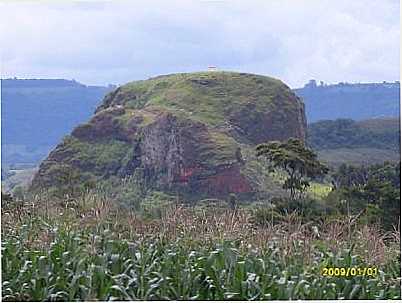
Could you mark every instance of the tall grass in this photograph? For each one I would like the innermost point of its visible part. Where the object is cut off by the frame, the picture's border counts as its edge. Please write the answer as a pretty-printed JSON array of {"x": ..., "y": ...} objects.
[{"x": 91, "y": 250}]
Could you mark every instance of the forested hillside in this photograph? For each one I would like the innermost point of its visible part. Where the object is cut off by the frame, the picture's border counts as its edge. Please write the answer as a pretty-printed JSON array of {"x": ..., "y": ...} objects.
[
  {"x": 356, "y": 142},
  {"x": 347, "y": 133}
]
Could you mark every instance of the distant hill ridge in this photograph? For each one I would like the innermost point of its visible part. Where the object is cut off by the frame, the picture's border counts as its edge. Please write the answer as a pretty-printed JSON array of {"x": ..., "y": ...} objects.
[
  {"x": 37, "y": 113},
  {"x": 312, "y": 84},
  {"x": 40, "y": 83},
  {"x": 357, "y": 101},
  {"x": 30, "y": 83}
]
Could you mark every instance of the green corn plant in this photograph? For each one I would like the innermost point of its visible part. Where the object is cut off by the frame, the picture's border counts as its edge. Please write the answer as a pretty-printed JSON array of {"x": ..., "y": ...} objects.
[{"x": 96, "y": 263}]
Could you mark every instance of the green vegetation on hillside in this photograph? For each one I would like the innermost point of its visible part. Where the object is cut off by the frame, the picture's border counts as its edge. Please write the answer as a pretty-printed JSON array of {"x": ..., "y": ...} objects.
[
  {"x": 355, "y": 142},
  {"x": 357, "y": 156},
  {"x": 346, "y": 133},
  {"x": 101, "y": 159},
  {"x": 102, "y": 156},
  {"x": 206, "y": 97},
  {"x": 375, "y": 190},
  {"x": 221, "y": 149}
]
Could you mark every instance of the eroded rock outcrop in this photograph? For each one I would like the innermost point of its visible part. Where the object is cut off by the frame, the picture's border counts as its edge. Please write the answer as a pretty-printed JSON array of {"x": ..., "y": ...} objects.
[{"x": 180, "y": 132}]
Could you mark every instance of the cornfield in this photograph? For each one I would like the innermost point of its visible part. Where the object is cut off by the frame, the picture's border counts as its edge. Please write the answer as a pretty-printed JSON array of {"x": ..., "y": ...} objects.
[{"x": 67, "y": 253}]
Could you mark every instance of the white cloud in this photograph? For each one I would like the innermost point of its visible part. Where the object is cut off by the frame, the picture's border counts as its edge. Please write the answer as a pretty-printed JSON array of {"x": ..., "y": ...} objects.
[{"x": 119, "y": 41}]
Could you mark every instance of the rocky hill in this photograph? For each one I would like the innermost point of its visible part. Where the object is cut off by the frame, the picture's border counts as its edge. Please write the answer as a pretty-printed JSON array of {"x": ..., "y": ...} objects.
[
  {"x": 34, "y": 107},
  {"x": 182, "y": 132}
]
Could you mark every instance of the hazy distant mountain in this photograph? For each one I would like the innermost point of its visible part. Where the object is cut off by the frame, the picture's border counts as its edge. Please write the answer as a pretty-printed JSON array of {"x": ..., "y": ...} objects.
[
  {"x": 353, "y": 101},
  {"x": 37, "y": 113}
]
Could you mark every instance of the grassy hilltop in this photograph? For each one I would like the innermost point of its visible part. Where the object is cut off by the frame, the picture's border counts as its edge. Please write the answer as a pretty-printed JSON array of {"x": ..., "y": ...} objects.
[{"x": 183, "y": 132}]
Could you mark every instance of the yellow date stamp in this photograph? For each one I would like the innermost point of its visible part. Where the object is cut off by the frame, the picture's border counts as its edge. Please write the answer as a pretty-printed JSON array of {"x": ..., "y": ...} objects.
[{"x": 349, "y": 271}]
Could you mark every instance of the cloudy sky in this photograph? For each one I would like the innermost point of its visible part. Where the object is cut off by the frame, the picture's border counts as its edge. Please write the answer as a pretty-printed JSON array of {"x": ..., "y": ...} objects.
[{"x": 101, "y": 42}]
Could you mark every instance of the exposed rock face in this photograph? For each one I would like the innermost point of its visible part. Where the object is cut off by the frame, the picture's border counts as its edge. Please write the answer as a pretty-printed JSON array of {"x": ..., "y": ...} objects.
[
  {"x": 176, "y": 152},
  {"x": 271, "y": 125},
  {"x": 180, "y": 132}
]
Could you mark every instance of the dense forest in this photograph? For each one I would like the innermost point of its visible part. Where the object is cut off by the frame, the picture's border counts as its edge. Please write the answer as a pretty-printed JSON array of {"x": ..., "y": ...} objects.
[
  {"x": 346, "y": 133},
  {"x": 356, "y": 142}
]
